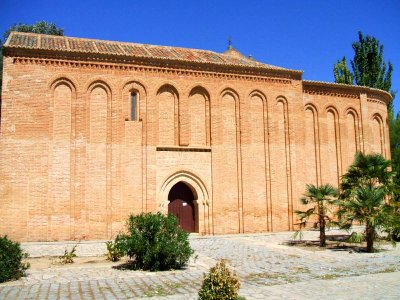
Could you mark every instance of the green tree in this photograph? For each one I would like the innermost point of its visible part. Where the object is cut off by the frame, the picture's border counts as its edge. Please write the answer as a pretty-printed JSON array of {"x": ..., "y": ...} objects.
[
  {"x": 370, "y": 69},
  {"x": 365, "y": 188},
  {"x": 321, "y": 198},
  {"x": 368, "y": 65},
  {"x": 342, "y": 73},
  {"x": 39, "y": 27},
  {"x": 394, "y": 125}
]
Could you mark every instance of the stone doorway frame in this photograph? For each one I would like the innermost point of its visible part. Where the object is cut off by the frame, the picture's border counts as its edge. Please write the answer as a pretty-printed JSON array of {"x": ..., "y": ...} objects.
[{"x": 202, "y": 201}]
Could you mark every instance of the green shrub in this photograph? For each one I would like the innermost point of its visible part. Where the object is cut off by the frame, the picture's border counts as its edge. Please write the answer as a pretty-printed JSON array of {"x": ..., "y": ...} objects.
[
  {"x": 392, "y": 224},
  {"x": 219, "y": 284},
  {"x": 356, "y": 238},
  {"x": 68, "y": 256},
  {"x": 113, "y": 253},
  {"x": 155, "y": 242},
  {"x": 11, "y": 256}
]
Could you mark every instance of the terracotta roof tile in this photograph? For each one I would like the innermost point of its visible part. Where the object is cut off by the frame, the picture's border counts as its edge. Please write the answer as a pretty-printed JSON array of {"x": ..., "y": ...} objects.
[
  {"x": 209, "y": 56},
  {"x": 160, "y": 52},
  {"x": 25, "y": 41},
  {"x": 104, "y": 47},
  {"x": 82, "y": 46},
  {"x": 135, "y": 50},
  {"x": 62, "y": 43},
  {"x": 48, "y": 42}
]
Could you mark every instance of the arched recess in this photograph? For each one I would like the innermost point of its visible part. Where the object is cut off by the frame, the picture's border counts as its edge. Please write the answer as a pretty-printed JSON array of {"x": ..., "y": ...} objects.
[
  {"x": 352, "y": 144},
  {"x": 61, "y": 159},
  {"x": 282, "y": 204},
  {"x": 167, "y": 115},
  {"x": 61, "y": 79},
  {"x": 255, "y": 163},
  {"x": 332, "y": 162},
  {"x": 312, "y": 170},
  {"x": 377, "y": 140},
  {"x": 202, "y": 198},
  {"x": 98, "y": 159},
  {"x": 199, "y": 117},
  {"x": 137, "y": 88},
  {"x": 228, "y": 171},
  {"x": 133, "y": 154}
]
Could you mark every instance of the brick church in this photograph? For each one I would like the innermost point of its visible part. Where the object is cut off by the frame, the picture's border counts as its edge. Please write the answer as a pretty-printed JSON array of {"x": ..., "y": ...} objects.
[{"x": 92, "y": 131}]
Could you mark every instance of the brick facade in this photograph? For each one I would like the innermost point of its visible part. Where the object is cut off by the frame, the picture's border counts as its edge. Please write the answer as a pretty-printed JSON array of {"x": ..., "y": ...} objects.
[{"x": 244, "y": 136}]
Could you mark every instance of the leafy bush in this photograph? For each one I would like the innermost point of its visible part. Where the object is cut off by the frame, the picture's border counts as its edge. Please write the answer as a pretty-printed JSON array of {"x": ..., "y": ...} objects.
[
  {"x": 113, "y": 253},
  {"x": 356, "y": 238},
  {"x": 68, "y": 256},
  {"x": 392, "y": 224},
  {"x": 11, "y": 256},
  {"x": 155, "y": 242},
  {"x": 219, "y": 284}
]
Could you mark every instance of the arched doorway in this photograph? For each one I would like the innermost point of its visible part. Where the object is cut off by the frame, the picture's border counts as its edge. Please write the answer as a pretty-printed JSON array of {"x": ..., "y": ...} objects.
[{"x": 181, "y": 205}]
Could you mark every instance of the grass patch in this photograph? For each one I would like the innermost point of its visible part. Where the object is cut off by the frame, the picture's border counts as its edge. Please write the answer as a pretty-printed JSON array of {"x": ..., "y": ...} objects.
[
  {"x": 389, "y": 270},
  {"x": 330, "y": 276},
  {"x": 301, "y": 270},
  {"x": 274, "y": 278},
  {"x": 158, "y": 291}
]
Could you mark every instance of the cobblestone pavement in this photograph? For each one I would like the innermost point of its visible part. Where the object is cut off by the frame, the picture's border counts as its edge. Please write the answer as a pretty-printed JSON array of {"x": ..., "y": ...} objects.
[{"x": 267, "y": 268}]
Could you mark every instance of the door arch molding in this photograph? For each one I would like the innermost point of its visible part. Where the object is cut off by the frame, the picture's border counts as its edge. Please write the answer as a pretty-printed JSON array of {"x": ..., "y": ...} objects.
[{"x": 202, "y": 201}]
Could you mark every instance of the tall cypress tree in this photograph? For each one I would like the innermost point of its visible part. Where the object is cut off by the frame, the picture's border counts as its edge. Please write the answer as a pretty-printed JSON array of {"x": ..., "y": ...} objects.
[
  {"x": 370, "y": 69},
  {"x": 368, "y": 65}
]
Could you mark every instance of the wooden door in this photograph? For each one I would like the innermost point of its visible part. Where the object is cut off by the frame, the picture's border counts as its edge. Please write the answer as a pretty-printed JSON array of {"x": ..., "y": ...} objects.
[{"x": 181, "y": 206}]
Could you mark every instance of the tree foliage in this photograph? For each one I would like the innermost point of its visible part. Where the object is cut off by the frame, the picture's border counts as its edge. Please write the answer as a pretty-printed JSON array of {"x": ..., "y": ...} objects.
[
  {"x": 342, "y": 73},
  {"x": 321, "y": 198},
  {"x": 394, "y": 125},
  {"x": 368, "y": 65},
  {"x": 39, "y": 27},
  {"x": 365, "y": 188},
  {"x": 370, "y": 69}
]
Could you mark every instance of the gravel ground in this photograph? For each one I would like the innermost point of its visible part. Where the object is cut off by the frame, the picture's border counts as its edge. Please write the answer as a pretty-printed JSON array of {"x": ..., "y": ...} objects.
[{"x": 266, "y": 265}]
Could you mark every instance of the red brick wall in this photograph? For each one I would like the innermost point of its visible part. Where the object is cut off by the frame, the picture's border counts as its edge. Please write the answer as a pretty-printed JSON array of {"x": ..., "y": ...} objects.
[{"x": 73, "y": 166}]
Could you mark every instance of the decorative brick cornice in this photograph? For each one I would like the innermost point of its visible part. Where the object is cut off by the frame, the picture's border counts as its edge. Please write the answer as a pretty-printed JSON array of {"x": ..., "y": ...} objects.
[
  {"x": 183, "y": 149},
  {"x": 376, "y": 98},
  {"x": 148, "y": 69},
  {"x": 318, "y": 90},
  {"x": 346, "y": 90}
]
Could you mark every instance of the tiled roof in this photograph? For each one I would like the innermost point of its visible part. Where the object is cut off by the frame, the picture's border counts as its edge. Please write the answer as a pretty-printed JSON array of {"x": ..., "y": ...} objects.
[{"x": 78, "y": 45}]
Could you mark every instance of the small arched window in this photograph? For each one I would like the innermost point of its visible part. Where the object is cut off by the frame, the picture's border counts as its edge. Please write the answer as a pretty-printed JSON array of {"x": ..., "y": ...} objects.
[{"x": 133, "y": 115}]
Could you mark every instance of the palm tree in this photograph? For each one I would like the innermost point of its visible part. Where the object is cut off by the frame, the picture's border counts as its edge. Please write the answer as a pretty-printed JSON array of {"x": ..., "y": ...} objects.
[
  {"x": 364, "y": 190},
  {"x": 319, "y": 196}
]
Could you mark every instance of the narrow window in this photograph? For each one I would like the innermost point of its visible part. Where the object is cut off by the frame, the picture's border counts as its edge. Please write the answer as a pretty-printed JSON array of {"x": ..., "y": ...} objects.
[{"x": 133, "y": 106}]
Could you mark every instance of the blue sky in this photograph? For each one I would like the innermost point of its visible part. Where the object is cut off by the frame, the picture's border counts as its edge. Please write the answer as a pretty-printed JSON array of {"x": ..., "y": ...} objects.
[{"x": 303, "y": 35}]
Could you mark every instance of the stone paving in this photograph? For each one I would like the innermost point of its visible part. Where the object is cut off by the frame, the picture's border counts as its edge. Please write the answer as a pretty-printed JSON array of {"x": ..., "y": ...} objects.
[{"x": 266, "y": 266}]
